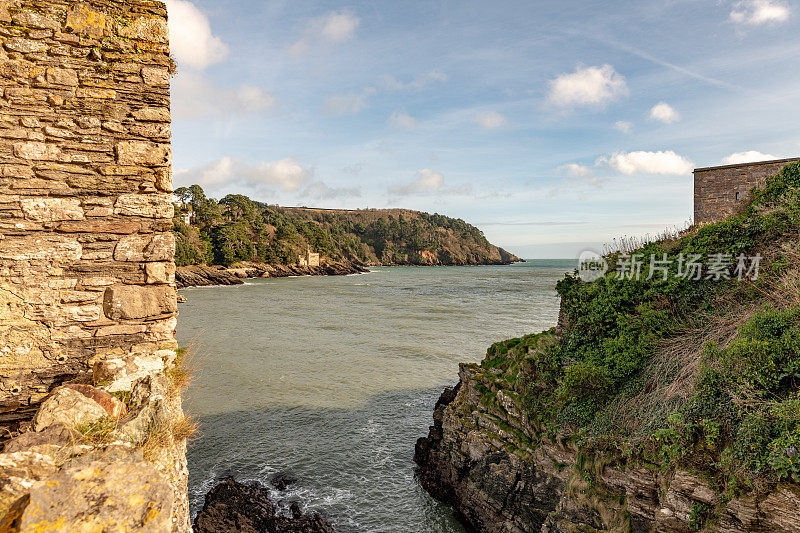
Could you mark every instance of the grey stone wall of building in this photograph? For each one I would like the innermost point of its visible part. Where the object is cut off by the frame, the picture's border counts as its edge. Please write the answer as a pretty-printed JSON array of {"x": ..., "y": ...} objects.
[
  {"x": 719, "y": 191},
  {"x": 86, "y": 249}
]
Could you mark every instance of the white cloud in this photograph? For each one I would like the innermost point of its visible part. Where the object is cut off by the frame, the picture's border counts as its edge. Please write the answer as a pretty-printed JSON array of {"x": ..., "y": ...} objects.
[
  {"x": 663, "y": 162},
  {"x": 663, "y": 112},
  {"x": 750, "y": 156},
  {"x": 320, "y": 191},
  {"x": 286, "y": 175},
  {"x": 191, "y": 41},
  {"x": 427, "y": 182},
  {"x": 390, "y": 83},
  {"x": 331, "y": 28},
  {"x": 574, "y": 170},
  {"x": 587, "y": 86},
  {"x": 401, "y": 119},
  {"x": 623, "y": 126},
  {"x": 758, "y": 12},
  {"x": 194, "y": 96},
  {"x": 349, "y": 103},
  {"x": 490, "y": 120},
  {"x": 581, "y": 173}
]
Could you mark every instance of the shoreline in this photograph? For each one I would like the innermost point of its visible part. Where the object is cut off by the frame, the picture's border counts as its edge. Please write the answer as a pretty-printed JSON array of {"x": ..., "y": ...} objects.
[
  {"x": 216, "y": 275},
  {"x": 220, "y": 276}
]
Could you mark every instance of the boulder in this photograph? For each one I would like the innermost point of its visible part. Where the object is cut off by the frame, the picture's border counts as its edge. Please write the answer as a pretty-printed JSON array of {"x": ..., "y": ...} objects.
[
  {"x": 45, "y": 442},
  {"x": 18, "y": 472},
  {"x": 68, "y": 407},
  {"x": 113, "y": 407},
  {"x": 108, "y": 490},
  {"x": 118, "y": 373},
  {"x": 233, "y": 506}
]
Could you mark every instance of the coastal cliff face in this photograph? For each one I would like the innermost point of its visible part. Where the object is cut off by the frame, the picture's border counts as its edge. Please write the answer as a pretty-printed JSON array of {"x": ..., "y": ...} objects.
[
  {"x": 92, "y": 431},
  {"x": 659, "y": 403},
  {"x": 484, "y": 457}
]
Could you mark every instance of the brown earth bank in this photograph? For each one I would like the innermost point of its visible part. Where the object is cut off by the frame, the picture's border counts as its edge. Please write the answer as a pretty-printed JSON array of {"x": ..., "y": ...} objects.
[
  {"x": 501, "y": 475},
  {"x": 234, "y": 506}
]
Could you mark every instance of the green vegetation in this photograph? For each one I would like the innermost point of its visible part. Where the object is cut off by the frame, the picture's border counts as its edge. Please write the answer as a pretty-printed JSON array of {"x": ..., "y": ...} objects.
[
  {"x": 238, "y": 229},
  {"x": 701, "y": 374}
]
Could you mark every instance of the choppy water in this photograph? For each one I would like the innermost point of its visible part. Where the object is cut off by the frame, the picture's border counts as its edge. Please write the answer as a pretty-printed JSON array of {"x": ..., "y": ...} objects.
[{"x": 332, "y": 380}]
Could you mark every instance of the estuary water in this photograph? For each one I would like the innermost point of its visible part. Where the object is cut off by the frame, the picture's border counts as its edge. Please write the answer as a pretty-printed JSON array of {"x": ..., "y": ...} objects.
[{"x": 332, "y": 379}]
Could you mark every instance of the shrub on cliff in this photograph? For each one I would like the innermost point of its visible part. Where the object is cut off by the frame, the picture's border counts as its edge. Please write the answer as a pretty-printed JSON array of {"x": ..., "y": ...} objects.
[
  {"x": 618, "y": 322},
  {"x": 676, "y": 370}
]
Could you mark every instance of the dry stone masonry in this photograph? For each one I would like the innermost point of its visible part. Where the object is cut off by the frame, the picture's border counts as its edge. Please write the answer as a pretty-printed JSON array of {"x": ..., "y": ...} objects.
[
  {"x": 718, "y": 191},
  {"x": 86, "y": 249},
  {"x": 92, "y": 431}
]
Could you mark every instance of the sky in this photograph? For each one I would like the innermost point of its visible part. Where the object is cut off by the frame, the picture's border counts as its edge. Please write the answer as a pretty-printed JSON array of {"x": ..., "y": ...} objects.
[{"x": 553, "y": 126}]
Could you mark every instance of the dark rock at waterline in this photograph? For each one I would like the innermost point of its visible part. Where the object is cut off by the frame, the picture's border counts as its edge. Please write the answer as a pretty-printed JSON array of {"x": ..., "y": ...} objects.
[
  {"x": 202, "y": 275},
  {"x": 282, "y": 480},
  {"x": 233, "y": 506}
]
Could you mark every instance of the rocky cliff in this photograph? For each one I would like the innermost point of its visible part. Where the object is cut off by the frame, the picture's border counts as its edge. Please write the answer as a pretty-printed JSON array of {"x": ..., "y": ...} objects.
[
  {"x": 661, "y": 402},
  {"x": 501, "y": 474},
  {"x": 202, "y": 276}
]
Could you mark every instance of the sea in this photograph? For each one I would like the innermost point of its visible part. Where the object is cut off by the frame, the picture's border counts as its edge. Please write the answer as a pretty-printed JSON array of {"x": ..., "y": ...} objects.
[{"x": 331, "y": 380}]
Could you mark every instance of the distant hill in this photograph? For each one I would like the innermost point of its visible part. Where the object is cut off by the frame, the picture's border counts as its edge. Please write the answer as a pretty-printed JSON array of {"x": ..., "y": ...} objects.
[{"x": 237, "y": 229}]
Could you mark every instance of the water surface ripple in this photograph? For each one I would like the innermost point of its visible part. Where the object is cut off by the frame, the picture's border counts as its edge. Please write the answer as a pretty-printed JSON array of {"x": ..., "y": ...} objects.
[{"x": 333, "y": 379}]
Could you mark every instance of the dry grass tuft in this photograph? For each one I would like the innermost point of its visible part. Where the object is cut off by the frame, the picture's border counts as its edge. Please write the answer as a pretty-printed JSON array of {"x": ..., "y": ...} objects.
[
  {"x": 99, "y": 432},
  {"x": 670, "y": 378},
  {"x": 184, "y": 429},
  {"x": 628, "y": 244},
  {"x": 160, "y": 436},
  {"x": 183, "y": 369}
]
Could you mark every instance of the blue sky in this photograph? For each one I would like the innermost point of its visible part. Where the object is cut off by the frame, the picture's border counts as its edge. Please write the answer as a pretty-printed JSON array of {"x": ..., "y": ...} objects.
[{"x": 552, "y": 125}]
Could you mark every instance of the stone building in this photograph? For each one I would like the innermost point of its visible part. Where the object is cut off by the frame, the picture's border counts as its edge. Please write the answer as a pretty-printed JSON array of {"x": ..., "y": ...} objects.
[
  {"x": 718, "y": 191},
  {"x": 311, "y": 259}
]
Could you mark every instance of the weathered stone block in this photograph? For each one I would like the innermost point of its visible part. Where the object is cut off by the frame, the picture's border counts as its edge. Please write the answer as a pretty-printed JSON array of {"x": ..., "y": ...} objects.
[
  {"x": 163, "y": 179},
  {"x": 37, "y": 151},
  {"x": 95, "y": 92},
  {"x": 145, "y": 28},
  {"x": 51, "y": 209},
  {"x": 62, "y": 76},
  {"x": 152, "y": 114},
  {"x": 132, "y": 302},
  {"x": 148, "y": 206},
  {"x": 160, "y": 273},
  {"x": 85, "y": 21},
  {"x": 158, "y": 77},
  {"x": 42, "y": 248},
  {"x": 143, "y": 153},
  {"x": 101, "y": 492},
  {"x": 32, "y": 19},
  {"x": 146, "y": 248},
  {"x": 25, "y": 46}
]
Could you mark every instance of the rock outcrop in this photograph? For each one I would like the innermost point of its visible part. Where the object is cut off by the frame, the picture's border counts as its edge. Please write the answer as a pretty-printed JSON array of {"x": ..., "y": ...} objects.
[
  {"x": 201, "y": 276},
  {"x": 95, "y": 463},
  {"x": 501, "y": 475},
  {"x": 233, "y": 506}
]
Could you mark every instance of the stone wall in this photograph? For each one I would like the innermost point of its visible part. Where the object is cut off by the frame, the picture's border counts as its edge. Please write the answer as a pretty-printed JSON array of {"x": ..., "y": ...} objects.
[
  {"x": 86, "y": 249},
  {"x": 718, "y": 191}
]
